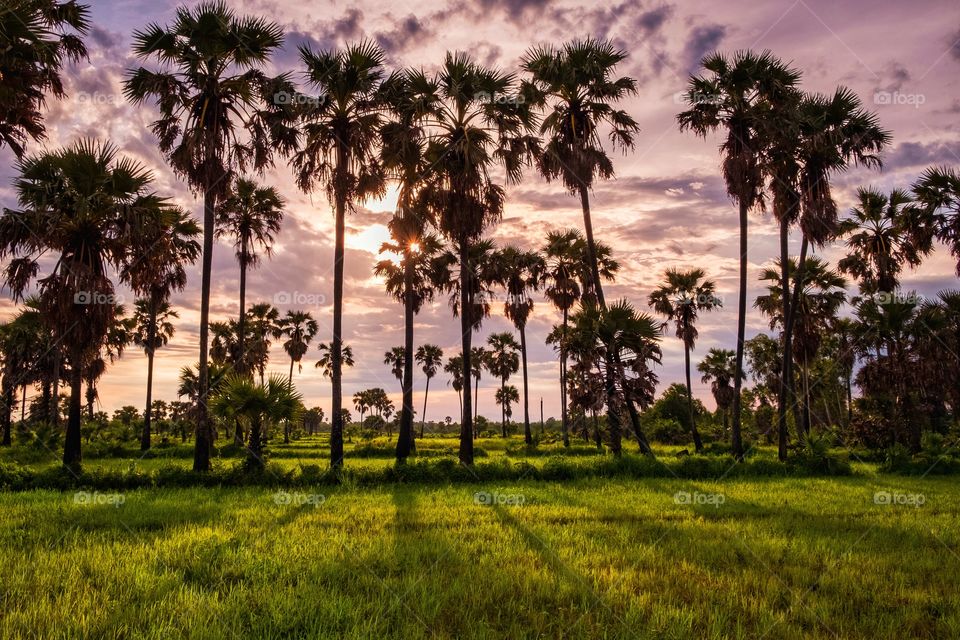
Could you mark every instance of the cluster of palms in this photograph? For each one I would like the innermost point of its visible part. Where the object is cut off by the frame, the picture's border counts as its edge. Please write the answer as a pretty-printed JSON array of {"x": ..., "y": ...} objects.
[{"x": 441, "y": 138}]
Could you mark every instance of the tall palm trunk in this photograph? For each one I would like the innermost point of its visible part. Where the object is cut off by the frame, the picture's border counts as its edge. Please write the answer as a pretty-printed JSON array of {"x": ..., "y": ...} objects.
[
  {"x": 460, "y": 398},
  {"x": 785, "y": 392},
  {"x": 527, "y": 436},
  {"x": 697, "y": 442},
  {"x": 466, "y": 330},
  {"x": 71, "y": 445},
  {"x": 151, "y": 336},
  {"x": 405, "y": 437},
  {"x": 741, "y": 327},
  {"x": 204, "y": 435},
  {"x": 788, "y": 343},
  {"x": 336, "y": 348},
  {"x": 8, "y": 394},
  {"x": 242, "y": 319},
  {"x": 591, "y": 246},
  {"x": 503, "y": 407},
  {"x": 55, "y": 397},
  {"x": 564, "y": 427},
  {"x": 423, "y": 416},
  {"x": 476, "y": 398},
  {"x": 23, "y": 404}
]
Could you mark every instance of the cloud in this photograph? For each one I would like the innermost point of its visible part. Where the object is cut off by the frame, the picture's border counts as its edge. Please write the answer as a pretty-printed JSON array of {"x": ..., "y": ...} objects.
[{"x": 703, "y": 39}]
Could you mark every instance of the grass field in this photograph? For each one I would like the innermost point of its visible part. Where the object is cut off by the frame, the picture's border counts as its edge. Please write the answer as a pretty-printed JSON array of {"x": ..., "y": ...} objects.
[{"x": 867, "y": 556}]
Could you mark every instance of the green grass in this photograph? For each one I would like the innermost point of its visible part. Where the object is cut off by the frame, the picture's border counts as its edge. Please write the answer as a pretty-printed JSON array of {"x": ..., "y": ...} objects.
[{"x": 784, "y": 558}]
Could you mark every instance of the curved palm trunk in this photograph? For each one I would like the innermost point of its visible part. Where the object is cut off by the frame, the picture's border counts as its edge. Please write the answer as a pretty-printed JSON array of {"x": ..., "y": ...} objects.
[
  {"x": 564, "y": 427},
  {"x": 423, "y": 417},
  {"x": 527, "y": 436},
  {"x": 405, "y": 437},
  {"x": 151, "y": 337},
  {"x": 71, "y": 445},
  {"x": 466, "y": 330},
  {"x": 741, "y": 327},
  {"x": 336, "y": 348},
  {"x": 204, "y": 435},
  {"x": 697, "y": 442}
]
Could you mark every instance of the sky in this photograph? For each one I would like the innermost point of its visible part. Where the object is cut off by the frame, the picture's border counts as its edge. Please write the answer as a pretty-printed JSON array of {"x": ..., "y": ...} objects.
[{"x": 667, "y": 206}]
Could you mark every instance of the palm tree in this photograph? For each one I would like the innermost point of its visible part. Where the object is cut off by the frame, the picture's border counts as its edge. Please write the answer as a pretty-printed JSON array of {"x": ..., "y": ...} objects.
[
  {"x": 470, "y": 131},
  {"x": 340, "y": 153},
  {"x": 299, "y": 328},
  {"x": 430, "y": 357},
  {"x": 250, "y": 215},
  {"x": 719, "y": 367},
  {"x": 218, "y": 115},
  {"x": 80, "y": 205},
  {"x": 264, "y": 319},
  {"x": 634, "y": 336},
  {"x": 258, "y": 406},
  {"x": 567, "y": 275},
  {"x": 506, "y": 397},
  {"x": 503, "y": 360},
  {"x": 732, "y": 98},
  {"x": 415, "y": 281},
  {"x": 479, "y": 360},
  {"x": 36, "y": 38},
  {"x": 578, "y": 82},
  {"x": 833, "y": 133},
  {"x": 822, "y": 293},
  {"x": 361, "y": 402},
  {"x": 880, "y": 240},
  {"x": 166, "y": 247},
  {"x": 521, "y": 273},
  {"x": 938, "y": 190},
  {"x": 395, "y": 358},
  {"x": 325, "y": 363},
  {"x": 454, "y": 367},
  {"x": 153, "y": 330},
  {"x": 681, "y": 298}
]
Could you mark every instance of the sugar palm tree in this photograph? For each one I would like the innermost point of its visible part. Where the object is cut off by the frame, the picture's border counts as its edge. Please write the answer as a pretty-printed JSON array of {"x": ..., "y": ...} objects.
[
  {"x": 340, "y": 154},
  {"x": 479, "y": 360},
  {"x": 250, "y": 215},
  {"x": 430, "y": 357},
  {"x": 264, "y": 320},
  {"x": 521, "y": 273},
  {"x": 938, "y": 190},
  {"x": 299, "y": 328},
  {"x": 218, "y": 115},
  {"x": 681, "y": 298},
  {"x": 578, "y": 84},
  {"x": 325, "y": 363},
  {"x": 395, "y": 358},
  {"x": 414, "y": 281},
  {"x": 503, "y": 360},
  {"x": 470, "y": 132},
  {"x": 81, "y": 206},
  {"x": 165, "y": 248},
  {"x": 258, "y": 407},
  {"x": 154, "y": 328},
  {"x": 718, "y": 368},
  {"x": 454, "y": 367},
  {"x": 732, "y": 98},
  {"x": 822, "y": 293},
  {"x": 506, "y": 397},
  {"x": 37, "y": 37}
]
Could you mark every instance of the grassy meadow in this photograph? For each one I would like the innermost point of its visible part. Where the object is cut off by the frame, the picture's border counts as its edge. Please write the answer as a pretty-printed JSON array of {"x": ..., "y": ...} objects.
[{"x": 847, "y": 557}]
